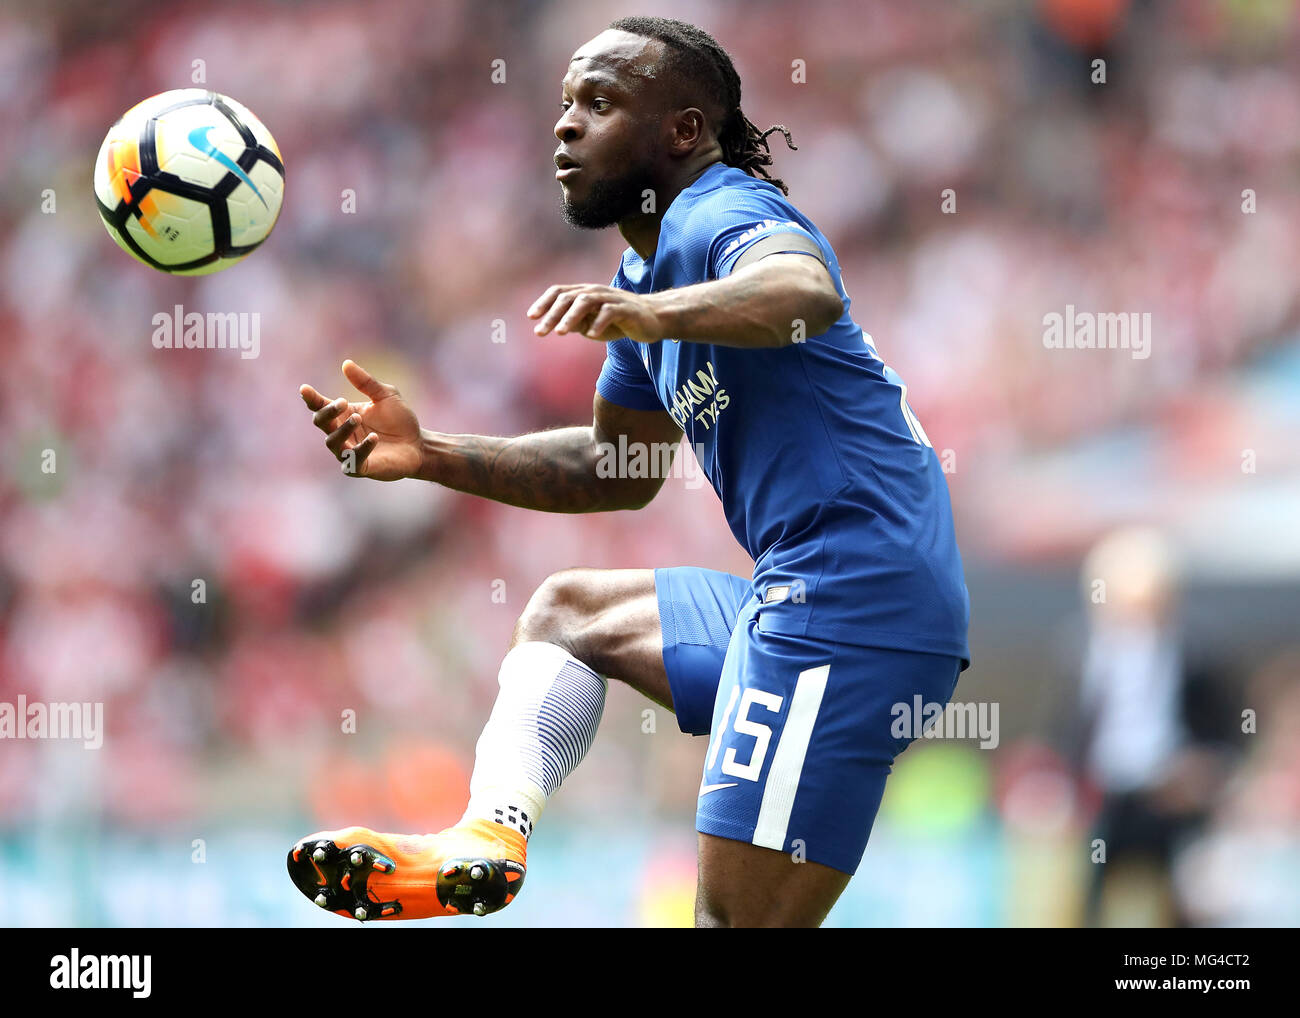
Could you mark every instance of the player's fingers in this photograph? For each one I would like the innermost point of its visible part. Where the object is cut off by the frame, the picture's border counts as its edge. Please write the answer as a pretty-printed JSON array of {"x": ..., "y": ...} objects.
[
  {"x": 604, "y": 320},
  {"x": 327, "y": 416},
  {"x": 337, "y": 438},
  {"x": 557, "y": 311},
  {"x": 583, "y": 307},
  {"x": 541, "y": 303},
  {"x": 311, "y": 397},
  {"x": 545, "y": 300},
  {"x": 353, "y": 458},
  {"x": 365, "y": 382}
]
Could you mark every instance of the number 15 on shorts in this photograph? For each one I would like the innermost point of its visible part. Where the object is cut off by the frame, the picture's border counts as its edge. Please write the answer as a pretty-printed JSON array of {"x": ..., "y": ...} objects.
[{"x": 761, "y": 733}]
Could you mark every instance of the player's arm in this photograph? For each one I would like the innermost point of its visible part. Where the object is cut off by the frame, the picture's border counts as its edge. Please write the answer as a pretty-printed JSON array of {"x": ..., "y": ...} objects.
[
  {"x": 767, "y": 303},
  {"x": 553, "y": 471}
]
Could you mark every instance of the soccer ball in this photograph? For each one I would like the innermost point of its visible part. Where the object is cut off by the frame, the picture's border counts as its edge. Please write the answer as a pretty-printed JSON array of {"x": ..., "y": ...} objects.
[{"x": 189, "y": 181}]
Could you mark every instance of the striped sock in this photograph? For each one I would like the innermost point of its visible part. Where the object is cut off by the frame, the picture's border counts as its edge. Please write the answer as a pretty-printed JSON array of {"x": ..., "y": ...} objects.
[{"x": 541, "y": 727}]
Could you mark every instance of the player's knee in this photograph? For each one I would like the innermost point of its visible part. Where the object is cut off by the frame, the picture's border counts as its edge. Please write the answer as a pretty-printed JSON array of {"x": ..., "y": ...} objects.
[
  {"x": 713, "y": 901},
  {"x": 708, "y": 917},
  {"x": 711, "y": 913},
  {"x": 714, "y": 911},
  {"x": 557, "y": 613}
]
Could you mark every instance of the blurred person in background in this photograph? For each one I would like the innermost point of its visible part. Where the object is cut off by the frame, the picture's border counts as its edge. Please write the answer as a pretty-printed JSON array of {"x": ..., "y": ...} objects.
[{"x": 1144, "y": 729}]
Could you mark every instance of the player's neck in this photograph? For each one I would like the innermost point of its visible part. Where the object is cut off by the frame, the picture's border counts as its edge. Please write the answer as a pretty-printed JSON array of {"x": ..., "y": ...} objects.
[
  {"x": 642, "y": 230},
  {"x": 642, "y": 233}
]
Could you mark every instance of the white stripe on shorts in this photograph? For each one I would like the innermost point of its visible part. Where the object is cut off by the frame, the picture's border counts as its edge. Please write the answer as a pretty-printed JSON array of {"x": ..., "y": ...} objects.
[{"x": 787, "y": 762}]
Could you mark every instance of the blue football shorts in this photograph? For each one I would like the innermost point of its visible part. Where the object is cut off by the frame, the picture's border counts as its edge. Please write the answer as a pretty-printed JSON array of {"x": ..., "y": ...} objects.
[{"x": 800, "y": 728}]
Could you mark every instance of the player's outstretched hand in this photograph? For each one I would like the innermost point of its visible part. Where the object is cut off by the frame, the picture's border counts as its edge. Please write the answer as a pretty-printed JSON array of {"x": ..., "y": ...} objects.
[
  {"x": 379, "y": 439},
  {"x": 602, "y": 313}
]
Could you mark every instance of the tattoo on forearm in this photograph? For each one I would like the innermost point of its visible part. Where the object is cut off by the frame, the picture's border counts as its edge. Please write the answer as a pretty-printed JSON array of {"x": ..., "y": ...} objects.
[{"x": 549, "y": 470}]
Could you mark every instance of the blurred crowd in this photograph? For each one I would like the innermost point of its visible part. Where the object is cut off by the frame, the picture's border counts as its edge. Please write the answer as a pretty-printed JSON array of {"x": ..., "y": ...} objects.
[{"x": 280, "y": 646}]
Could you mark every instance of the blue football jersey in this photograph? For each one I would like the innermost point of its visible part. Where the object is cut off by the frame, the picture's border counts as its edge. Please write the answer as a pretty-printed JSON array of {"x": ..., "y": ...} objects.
[{"x": 825, "y": 475}]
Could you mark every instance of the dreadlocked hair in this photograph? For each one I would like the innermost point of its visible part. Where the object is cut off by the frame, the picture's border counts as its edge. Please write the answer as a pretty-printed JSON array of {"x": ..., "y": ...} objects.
[{"x": 694, "y": 55}]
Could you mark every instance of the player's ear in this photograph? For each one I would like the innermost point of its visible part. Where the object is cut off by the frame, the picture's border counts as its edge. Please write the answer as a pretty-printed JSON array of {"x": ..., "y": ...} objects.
[{"x": 689, "y": 127}]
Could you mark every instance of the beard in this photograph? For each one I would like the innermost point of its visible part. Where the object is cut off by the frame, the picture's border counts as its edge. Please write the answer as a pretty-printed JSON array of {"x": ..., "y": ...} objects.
[{"x": 609, "y": 201}]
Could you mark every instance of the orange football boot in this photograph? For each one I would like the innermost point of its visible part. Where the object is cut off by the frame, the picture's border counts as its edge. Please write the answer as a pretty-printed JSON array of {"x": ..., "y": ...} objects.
[{"x": 474, "y": 868}]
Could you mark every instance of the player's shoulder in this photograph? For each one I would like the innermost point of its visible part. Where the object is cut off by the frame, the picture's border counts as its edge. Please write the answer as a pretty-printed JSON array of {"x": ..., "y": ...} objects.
[
  {"x": 729, "y": 211},
  {"x": 723, "y": 190},
  {"x": 721, "y": 204}
]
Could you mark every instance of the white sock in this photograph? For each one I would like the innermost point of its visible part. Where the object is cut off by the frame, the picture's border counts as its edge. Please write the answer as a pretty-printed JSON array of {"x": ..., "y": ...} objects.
[{"x": 541, "y": 726}]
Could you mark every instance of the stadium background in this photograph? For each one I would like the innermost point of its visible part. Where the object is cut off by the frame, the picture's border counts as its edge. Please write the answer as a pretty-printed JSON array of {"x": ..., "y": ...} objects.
[{"x": 224, "y": 738}]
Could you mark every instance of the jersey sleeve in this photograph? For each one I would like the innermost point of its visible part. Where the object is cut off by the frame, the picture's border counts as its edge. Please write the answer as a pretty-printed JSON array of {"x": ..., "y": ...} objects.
[
  {"x": 755, "y": 226},
  {"x": 624, "y": 379}
]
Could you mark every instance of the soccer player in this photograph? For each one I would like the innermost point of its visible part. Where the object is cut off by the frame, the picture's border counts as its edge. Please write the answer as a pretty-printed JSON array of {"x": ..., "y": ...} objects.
[{"x": 726, "y": 320}]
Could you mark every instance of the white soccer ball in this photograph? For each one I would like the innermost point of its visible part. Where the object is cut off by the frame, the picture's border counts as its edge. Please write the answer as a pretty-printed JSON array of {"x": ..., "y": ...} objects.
[{"x": 189, "y": 181}]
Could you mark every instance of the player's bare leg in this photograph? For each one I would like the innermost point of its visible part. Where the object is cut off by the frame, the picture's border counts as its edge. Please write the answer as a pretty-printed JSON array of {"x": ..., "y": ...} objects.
[
  {"x": 541, "y": 727},
  {"x": 606, "y": 618},
  {"x": 745, "y": 885}
]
